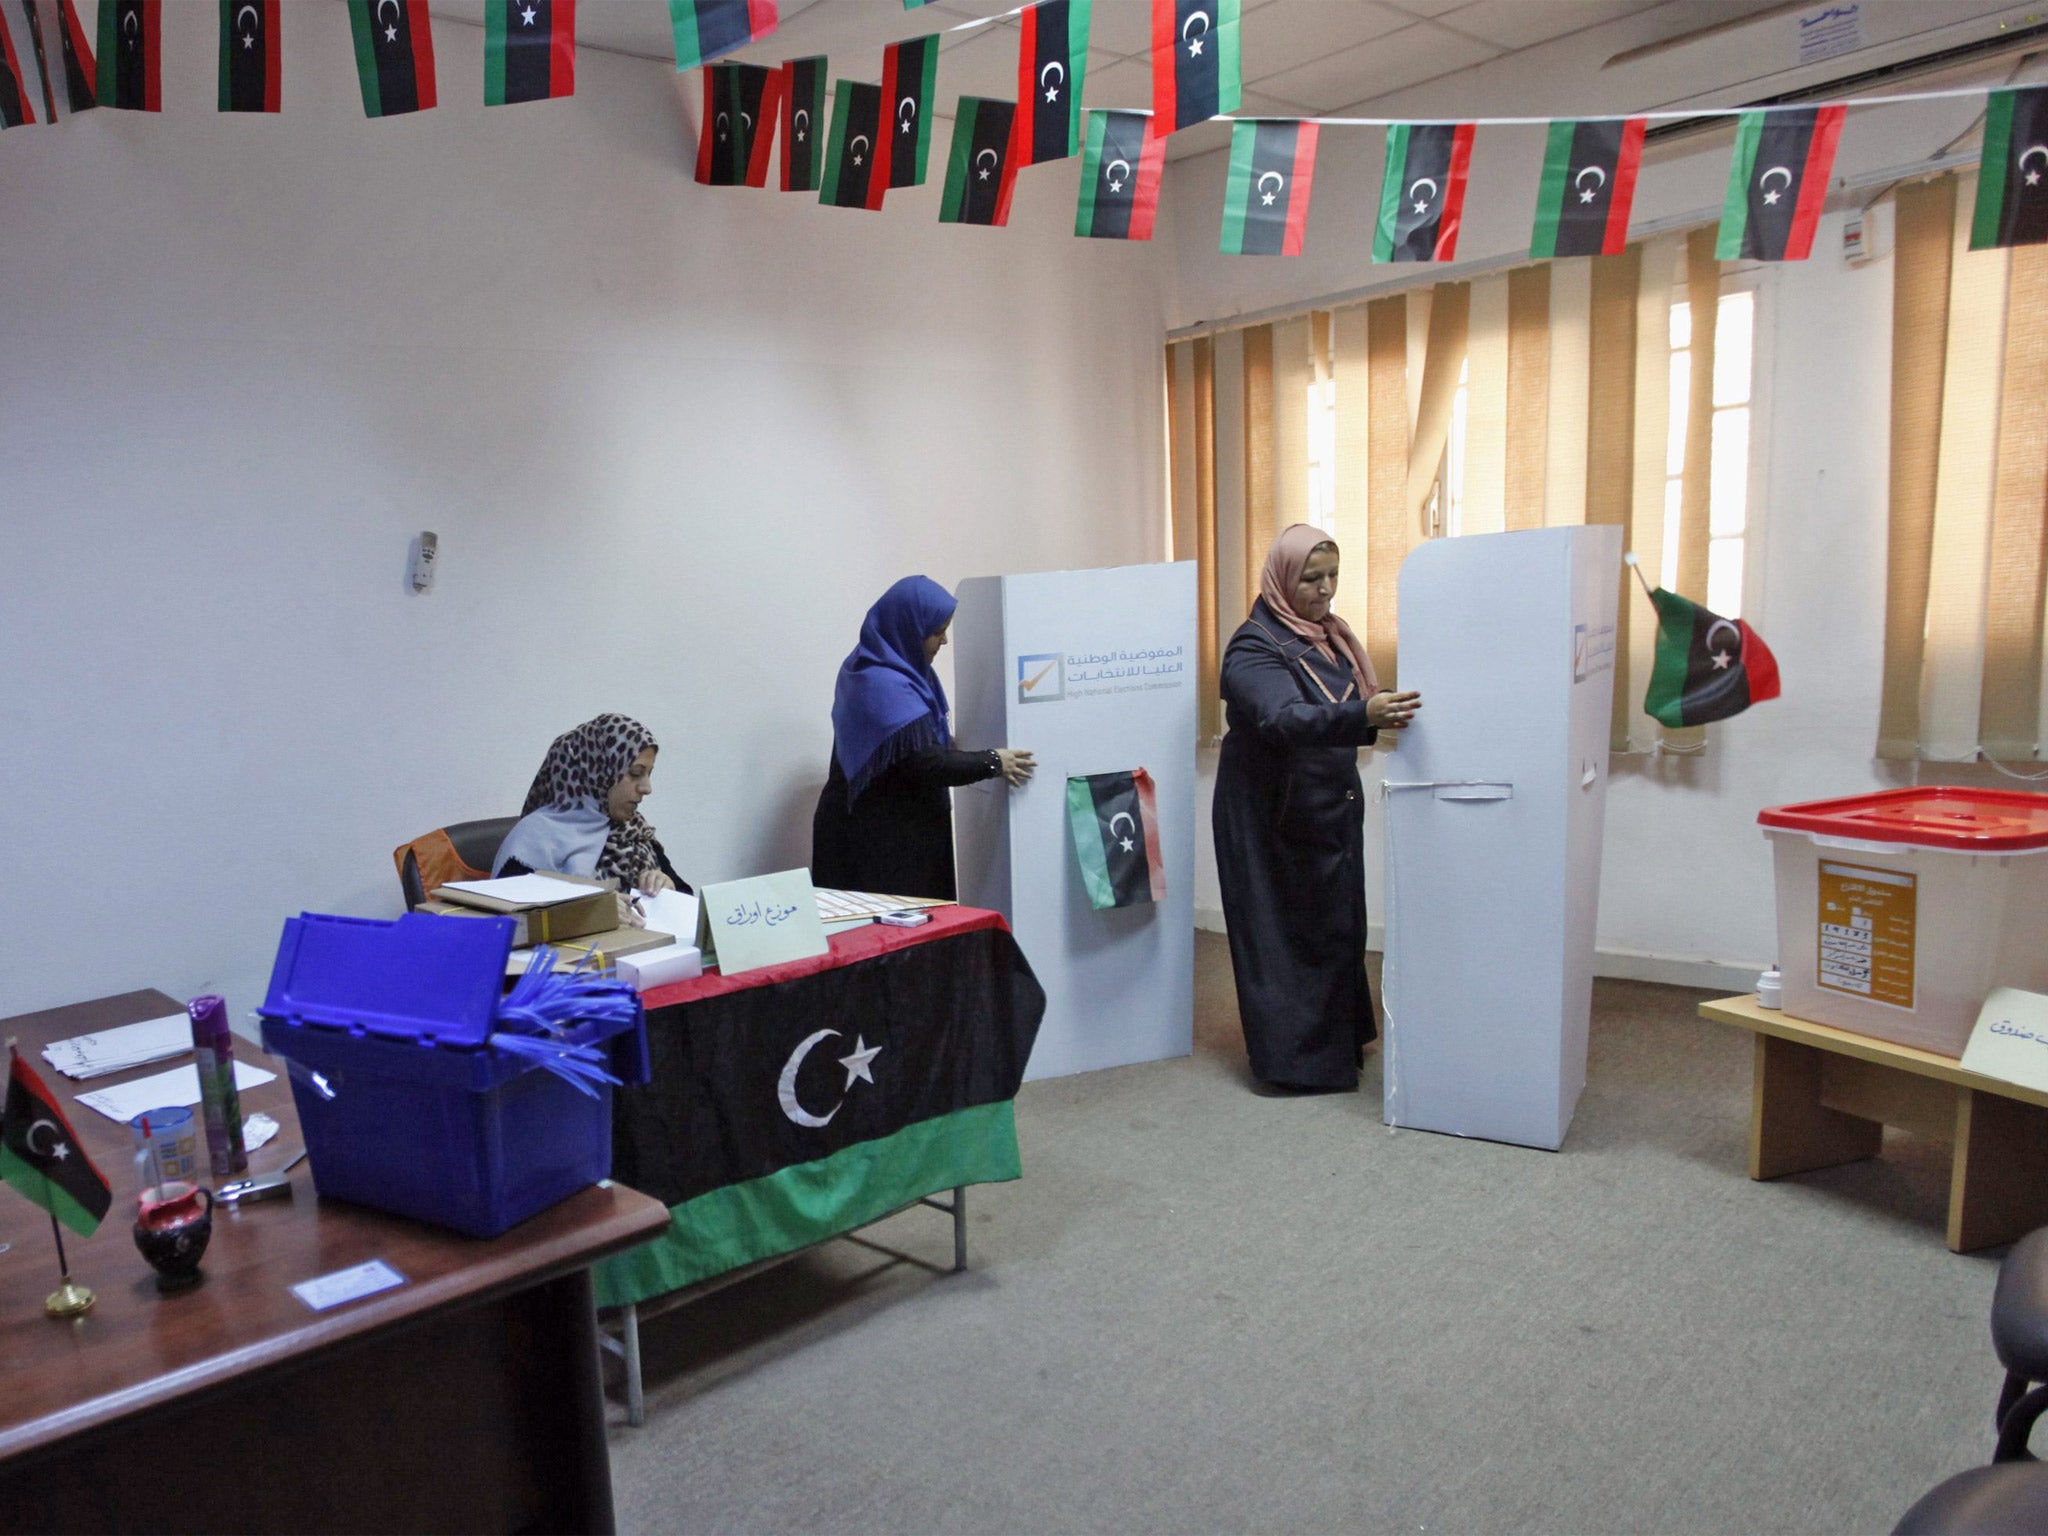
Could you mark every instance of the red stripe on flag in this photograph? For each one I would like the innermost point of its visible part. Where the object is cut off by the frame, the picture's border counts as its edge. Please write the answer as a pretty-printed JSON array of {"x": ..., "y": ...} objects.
[
  {"x": 422, "y": 52},
  {"x": 1759, "y": 666},
  {"x": 152, "y": 55},
  {"x": 1454, "y": 195},
  {"x": 762, "y": 19},
  {"x": 1623, "y": 195},
  {"x": 885, "y": 131},
  {"x": 1299, "y": 184},
  {"x": 1165, "y": 92},
  {"x": 273, "y": 56},
  {"x": 28, "y": 108},
  {"x": 1027, "y": 82},
  {"x": 562, "y": 50},
  {"x": 705, "y": 135},
  {"x": 1148, "y": 814},
  {"x": 1813, "y": 183},
  {"x": 786, "y": 84},
  {"x": 1145, "y": 195},
  {"x": 764, "y": 130}
]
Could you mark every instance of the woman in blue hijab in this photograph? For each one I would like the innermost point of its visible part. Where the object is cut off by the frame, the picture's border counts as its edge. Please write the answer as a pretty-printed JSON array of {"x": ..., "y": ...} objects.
[{"x": 885, "y": 820}]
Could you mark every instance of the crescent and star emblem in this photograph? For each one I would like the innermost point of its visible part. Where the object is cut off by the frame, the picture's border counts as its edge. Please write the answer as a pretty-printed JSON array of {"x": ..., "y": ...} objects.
[
  {"x": 1195, "y": 43},
  {"x": 859, "y": 139},
  {"x": 1722, "y": 658},
  {"x": 1265, "y": 200},
  {"x": 1118, "y": 172},
  {"x": 397, "y": 13},
  {"x": 1422, "y": 199},
  {"x": 859, "y": 1068},
  {"x": 801, "y": 122},
  {"x": 993, "y": 159},
  {"x": 131, "y": 23},
  {"x": 2033, "y": 178},
  {"x": 1588, "y": 194},
  {"x": 906, "y": 113},
  {"x": 1128, "y": 845},
  {"x": 724, "y": 123},
  {"x": 1052, "y": 86},
  {"x": 1771, "y": 193},
  {"x": 747, "y": 121},
  {"x": 57, "y": 1152}
]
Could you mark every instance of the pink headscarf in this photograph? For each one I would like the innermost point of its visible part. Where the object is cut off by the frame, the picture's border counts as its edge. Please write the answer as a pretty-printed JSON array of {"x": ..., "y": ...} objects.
[{"x": 1284, "y": 562}]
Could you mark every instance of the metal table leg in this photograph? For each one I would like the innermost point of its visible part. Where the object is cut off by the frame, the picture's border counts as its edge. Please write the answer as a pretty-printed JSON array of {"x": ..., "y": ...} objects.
[{"x": 636, "y": 1401}]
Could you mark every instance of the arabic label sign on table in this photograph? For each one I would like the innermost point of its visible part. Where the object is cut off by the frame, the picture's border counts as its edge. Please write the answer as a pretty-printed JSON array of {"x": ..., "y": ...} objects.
[
  {"x": 2010, "y": 1041},
  {"x": 768, "y": 920}
]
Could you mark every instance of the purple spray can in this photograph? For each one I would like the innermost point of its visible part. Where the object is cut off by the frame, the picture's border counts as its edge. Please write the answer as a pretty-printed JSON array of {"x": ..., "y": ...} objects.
[{"x": 214, "y": 1045}]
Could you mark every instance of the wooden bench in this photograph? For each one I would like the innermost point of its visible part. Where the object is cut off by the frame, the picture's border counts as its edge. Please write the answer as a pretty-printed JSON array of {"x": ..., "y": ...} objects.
[{"x": 1822, "y": 1097}]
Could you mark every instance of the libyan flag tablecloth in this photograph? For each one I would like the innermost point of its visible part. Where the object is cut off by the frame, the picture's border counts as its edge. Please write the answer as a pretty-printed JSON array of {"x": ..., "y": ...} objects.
[{"x": 794, "y": 1103}]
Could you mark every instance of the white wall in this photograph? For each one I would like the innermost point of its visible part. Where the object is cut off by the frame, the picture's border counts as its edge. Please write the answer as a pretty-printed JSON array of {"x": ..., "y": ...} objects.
[
  {"x": 1686, "y": 886},
  {"x": 674, "y": 440}
]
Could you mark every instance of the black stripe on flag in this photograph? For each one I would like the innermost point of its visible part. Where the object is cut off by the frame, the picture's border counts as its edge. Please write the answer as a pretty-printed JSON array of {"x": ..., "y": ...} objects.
[
  {"x": 1050, "y": 119},
  {"x": 1430, "y": 146},
  {"x": 1782, "y": 146},
  {"x": 12, "y": 111},
  {"x": 1116, "y": 178},
  {"x": 398, "y": 85},
  {"x": 2023, "y": 219},
  {"x": 128, "y": 64},
  {"x": 1582, "y": 224},
  {"x": 529, "y": 50},
  {"x": 1120, "y": 821},
  {"x": 857, "y": 145}
]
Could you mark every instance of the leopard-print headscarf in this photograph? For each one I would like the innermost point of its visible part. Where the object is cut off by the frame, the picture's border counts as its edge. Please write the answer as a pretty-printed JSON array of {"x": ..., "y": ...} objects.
[{"x": 580, "y": 769}]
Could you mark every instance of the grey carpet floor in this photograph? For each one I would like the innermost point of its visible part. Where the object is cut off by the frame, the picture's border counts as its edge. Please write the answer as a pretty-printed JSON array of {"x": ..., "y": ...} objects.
[{"x": 1206, "y": 1310}]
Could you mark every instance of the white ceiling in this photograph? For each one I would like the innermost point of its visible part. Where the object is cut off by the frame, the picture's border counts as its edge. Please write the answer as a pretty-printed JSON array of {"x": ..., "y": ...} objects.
[{"x": 1300, "y": 57}]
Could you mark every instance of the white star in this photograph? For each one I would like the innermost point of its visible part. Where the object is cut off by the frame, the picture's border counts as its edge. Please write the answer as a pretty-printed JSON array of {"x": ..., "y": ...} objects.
[
  {"x": 248, "y": 40},
  {"x": 983, "y": 174},
  {"x": 799, "y": 135},
  {"x": 391, "y": 34},
  {"x": 1588, "y": 195},
  {"x": 856, "y": 159},
  {"x": 1721, "y": 660},
  {"x": 857, "y": 1065},
  {"x": 1771, "y": 196},
  {"x": 58, "y": 1151},
  {"x": 1267, "y": 199},
  {"x": 2033, "y": 178},
  {"x": 1115, "y": 185},
  {"x": 904, "y": 128},
  {"x": 1052, "y": 93},
  {"x": 1422, "y": 207},
  {"x": 526, "y": 16},
  {"x": 1194, "y": 47},
  {"x": 1129, "y": 846}
]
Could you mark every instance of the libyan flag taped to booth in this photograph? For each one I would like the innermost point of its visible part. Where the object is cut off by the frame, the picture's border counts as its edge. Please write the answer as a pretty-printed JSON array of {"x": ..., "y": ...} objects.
[
  {"x": 42, "y": 1157},
  {"x": 1707, "y": 668},
  {"x": 1115, "y": 820}
]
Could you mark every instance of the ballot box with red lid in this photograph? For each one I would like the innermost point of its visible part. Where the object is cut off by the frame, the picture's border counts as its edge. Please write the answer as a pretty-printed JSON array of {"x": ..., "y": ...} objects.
[{"x": 1899, "y": 911}]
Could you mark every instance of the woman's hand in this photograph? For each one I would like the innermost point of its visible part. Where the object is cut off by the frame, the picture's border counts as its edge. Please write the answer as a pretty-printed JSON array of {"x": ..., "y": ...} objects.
[
  {"x": 1017, "y": 766},
  {"x": 1392, "y": 711},
  {"x": 629, "y": 915},
  {"x": 655, "y": 881}
]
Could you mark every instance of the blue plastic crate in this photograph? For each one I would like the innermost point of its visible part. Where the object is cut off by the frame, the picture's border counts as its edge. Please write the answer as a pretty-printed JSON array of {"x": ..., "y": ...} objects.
[{"x": 427, "y": 1118}]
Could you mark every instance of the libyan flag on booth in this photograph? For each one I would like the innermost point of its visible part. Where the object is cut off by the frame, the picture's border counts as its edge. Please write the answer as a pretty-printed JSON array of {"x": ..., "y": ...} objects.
[
  {"x": 42, "y": 1157},
  {"x": 1115, "y": 821},
  {"x": 1707, "y": 668}
]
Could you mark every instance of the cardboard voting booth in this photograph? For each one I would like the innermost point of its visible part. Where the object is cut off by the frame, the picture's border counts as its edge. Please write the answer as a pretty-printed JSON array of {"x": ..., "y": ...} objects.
[
  {"x": 1494, "y": 806},
  {"x": 1094, "y": 673}
]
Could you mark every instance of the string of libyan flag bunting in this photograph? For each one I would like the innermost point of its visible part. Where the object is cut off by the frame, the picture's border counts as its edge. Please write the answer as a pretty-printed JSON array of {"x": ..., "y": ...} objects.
[{"x": 879, "y": 134}]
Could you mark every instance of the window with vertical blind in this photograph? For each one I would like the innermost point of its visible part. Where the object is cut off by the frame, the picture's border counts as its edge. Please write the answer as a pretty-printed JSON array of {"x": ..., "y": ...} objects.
[{"x": 1611, "y": 390}]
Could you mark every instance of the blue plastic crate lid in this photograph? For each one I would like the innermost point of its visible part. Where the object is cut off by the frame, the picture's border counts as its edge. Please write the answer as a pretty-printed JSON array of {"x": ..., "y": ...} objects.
[{"x": 424, "y": 978}]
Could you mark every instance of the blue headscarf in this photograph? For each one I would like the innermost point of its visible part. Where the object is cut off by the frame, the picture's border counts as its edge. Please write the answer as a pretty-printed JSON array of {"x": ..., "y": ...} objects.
[{"x": 889, "y": 702}]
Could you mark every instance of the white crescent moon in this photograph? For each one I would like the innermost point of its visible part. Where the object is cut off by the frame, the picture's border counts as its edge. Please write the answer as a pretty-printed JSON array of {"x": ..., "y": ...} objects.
[
  {"x": 722, "y": 122},
  {"x": 785, "y": 1089},
  {"x": 396, "y": 9},
  {"x": 906, "y": 109},
  {"x": 1590, "y": 170},
  {"x": 29, "y": 1140},
  {"x": 1776, "y": 170},
  {"x": 2033, "y": 150},
  {"x": 1279, "y": 181},
  {"x": 1716, "y": 627},
  {"x": 248, "y": 10},
  {"x": 747, "y": 121},
  {"x": 992, "y": 156},
  {"x": 1054, "y": 65},
  {"x": 131, "y": 23},
  {"x": 802, "y": 118},
  {"x": 858, "y": 139},
  {"x": 1422, "y": 181},
  {"x": 1109, "y": 170},
  {"x": 1201, "y": 16},
  {"x": 1126, "y": 815}
]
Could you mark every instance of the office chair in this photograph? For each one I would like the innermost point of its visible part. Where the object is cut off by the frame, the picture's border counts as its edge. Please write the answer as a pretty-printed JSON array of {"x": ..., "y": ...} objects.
[{"x": 464, "y": 850}]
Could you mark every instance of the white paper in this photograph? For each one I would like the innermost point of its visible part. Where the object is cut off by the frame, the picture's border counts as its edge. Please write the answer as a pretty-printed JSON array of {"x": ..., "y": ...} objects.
[
  {"x": 347, "y": 1285},
  {"x": 116, "y": 1050},
  {"x": 526, "y": 890},
  {"x": 673, "y": 913},
  {"x": 2010, "y": 1041},
  {"x": 659, "y": 967},
  {"x": 258, "y": 1130},
  {"x": 179, "y": 1086}
]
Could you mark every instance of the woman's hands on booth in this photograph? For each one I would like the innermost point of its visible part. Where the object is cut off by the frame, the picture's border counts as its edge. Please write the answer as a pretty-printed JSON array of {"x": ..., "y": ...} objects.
[
  {"x": 1018, "y": 766},
  {"x": 1392, "y": 711}
]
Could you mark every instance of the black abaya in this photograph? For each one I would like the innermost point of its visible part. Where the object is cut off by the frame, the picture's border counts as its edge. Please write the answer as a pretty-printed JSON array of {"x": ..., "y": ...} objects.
[
  {"x": 897, "y": 838},
  {"x": 1289, "y": 820}
]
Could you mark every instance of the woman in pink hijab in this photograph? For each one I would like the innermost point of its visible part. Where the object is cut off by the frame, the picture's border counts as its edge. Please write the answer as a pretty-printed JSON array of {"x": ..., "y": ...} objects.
[{"x": 1300, "y": 699}]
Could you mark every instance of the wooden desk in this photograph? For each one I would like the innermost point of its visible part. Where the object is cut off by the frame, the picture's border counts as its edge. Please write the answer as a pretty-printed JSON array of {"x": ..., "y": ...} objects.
[
  {"x": 1822, "y": 1096},
  {"x": 468, "y": 1399}
]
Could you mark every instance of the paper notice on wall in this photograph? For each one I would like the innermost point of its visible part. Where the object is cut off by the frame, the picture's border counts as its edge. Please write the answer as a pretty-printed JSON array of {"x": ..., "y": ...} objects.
[
  {"x": 2010, "y": 1041},
  {"x": 1829, "y": 31},
  {"x": 1867, "y": 932}
]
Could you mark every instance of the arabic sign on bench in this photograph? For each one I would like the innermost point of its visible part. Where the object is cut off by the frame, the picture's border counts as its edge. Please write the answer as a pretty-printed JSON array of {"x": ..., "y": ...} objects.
[
  {"x": 768, "y": 920},
  {"x": 2010, "y": 1041}
]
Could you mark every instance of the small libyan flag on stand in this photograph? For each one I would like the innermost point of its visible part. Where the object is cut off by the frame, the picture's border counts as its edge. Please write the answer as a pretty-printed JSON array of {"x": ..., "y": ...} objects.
[
  {"x": 1116, "y": 836},
  {"x": 529, "y": 50},
  {"x": 739, "y": 124},
  {"x": 979, "y": 175},
  {"x": 2012, "y": 181},
  {"x": 1120, "y": 177},
  {"x": 1777, "y": 183},
  {"x": 1052, "y": 58},
  {"x": 81, "y": 76},
  {"x": 1588, "y": 186},
  {"x": 1706, "y": 667},
  {"x": 1422, "y": 193},
  {"x": 1196, "y": 74},
  {"x": 394, "y": 55},
  {"x": 15, "y": 109},
  {"x": 849, "y": 180},
  {"x": 42, "y": 1157},
  {"x": 250, "y": 55},
  {"x": 705, "y": 29},
  {"x": 1265, "y": 199},
  {"x": 131, "y": 45},
  {"x": 803, "y": 116},
  {"x": 909, "y": 71}
]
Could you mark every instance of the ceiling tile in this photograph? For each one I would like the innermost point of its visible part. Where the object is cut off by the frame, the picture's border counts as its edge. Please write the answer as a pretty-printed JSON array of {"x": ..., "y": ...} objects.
[
  {"x": 1444, "y": 7},
  {"x": 1404, "y": 58},
  {"x": 1289, "y": 33},
  {"x": 1122, "y": 26},
  {"x": 1519, "y": 24},
  {"x": 1125, "y": 84}
]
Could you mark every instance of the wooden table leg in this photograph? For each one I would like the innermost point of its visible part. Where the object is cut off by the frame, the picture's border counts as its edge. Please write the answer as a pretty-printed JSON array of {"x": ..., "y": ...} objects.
[
  {"x": 1998, "y": 1181},
  {"x": 1790, "y": 1130}
]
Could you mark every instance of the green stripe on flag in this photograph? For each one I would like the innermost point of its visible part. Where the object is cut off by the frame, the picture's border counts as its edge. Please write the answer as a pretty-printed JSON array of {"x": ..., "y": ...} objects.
[
  {"x": 805, "y": 1203},
  {"x": 682, "y": 16},
  {"x": 1749, "y": 130},
  {"x": 1663, "y": 700},
  {"x": 366, "y": 58},
  {"x": 109, "y": 60},
  {"x": 927, "y": 99},
  {"x": 1229, "y": 66},
  {"x": 835, "y": 142},
  {"x": 1080, "y": 22},
  {"x": 1080, "y": 798},
  {"x": 956, "y": 162},
  {"x": 1237, "y": 193},
  {"x": 1557, "y": 165},
  {"x": 1994, "y": 172},
  {"x": 1391, "y": 182},
  {"x": 35, "y": 1186},
  {"x": 1091, "y": 168},
  {"x": 494, "y": 52}
]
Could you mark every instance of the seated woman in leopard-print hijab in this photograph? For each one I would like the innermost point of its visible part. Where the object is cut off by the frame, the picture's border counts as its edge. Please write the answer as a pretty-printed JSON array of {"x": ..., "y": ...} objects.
[{"x": 582, "y": 815}]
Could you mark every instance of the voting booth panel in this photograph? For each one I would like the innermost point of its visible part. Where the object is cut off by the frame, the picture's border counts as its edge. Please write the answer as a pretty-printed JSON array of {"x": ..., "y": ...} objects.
[
  {"x": 1494, "y": 806},
  {"x": 1094, "y": 673}
]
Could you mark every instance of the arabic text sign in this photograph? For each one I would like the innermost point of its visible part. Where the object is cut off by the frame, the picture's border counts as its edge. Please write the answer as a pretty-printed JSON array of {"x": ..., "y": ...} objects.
[
  {"x": 767, "y": 920},
  {"x": 2010, "y": 1041}
]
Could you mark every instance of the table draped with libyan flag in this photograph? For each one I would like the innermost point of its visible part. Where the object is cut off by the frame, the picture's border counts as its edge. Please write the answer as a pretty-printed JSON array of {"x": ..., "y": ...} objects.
[
  {"x": 42, "y": 1157},
  {"x": 793, "y": 1103}
]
